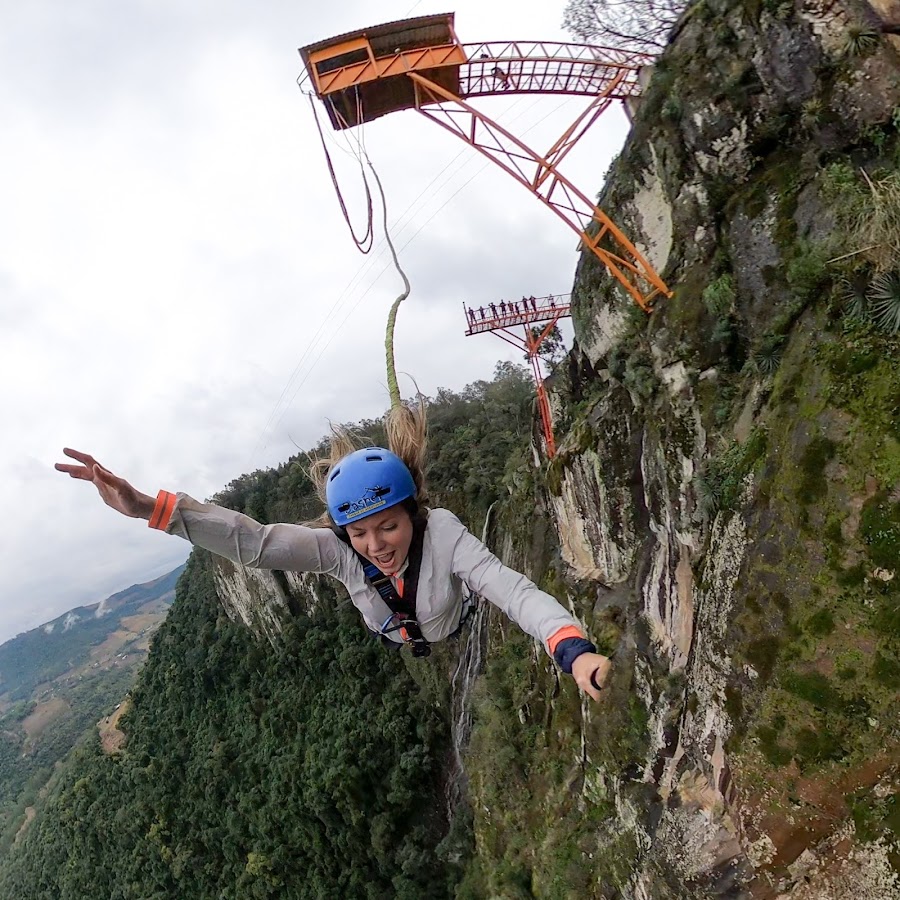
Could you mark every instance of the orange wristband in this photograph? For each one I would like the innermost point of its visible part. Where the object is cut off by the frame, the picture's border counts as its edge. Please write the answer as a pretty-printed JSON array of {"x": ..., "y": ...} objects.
[
  {"x": 567, "y": 631},
  {"x": 162, "y": 512}
]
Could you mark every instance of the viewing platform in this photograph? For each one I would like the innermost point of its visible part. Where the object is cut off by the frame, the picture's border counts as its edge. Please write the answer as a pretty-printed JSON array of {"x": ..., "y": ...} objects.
[{"x": 527, "y": 311}]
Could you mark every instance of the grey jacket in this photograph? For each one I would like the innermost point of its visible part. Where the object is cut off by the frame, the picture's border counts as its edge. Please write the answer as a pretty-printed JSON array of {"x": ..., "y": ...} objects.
[{"x": 451, "y": 555}]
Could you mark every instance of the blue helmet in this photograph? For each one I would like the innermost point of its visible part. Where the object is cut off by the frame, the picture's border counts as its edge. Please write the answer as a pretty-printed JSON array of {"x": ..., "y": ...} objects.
[{"x": 365, "y": 482}]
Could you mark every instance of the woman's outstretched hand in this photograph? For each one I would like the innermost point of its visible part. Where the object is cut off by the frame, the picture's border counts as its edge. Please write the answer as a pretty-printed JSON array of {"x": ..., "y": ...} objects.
[
  {"x": 114, "y": 491},
  {"x": 590, "y": 671}
]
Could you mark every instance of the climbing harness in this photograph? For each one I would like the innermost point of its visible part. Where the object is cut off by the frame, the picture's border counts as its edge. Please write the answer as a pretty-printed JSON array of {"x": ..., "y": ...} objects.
[
  {"x": 401, "y": 603},
  {"x": 469, "y": 605}
]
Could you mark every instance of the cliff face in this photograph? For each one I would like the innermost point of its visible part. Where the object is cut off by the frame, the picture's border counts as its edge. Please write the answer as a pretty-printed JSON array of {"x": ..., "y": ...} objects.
[{"x": 727, "y": 489}]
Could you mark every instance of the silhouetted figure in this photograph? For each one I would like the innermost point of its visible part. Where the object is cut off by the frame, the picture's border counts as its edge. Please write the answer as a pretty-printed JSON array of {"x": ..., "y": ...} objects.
[
  {"x": 493, "y": 307},
  {"x": 471, "y": 313},
  {"x": 481, "y": 310},
  {"x": 533, "y": 303},
  {"x": 502, "y": 307},
  {"x": 500, "y": 75},
  {"x": 552, "y": 302}
]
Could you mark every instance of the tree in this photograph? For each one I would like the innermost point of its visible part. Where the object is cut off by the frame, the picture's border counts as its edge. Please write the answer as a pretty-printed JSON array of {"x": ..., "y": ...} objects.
[
  {"x": 552, "y": 349},
  {"x": 640, "y": 25}
]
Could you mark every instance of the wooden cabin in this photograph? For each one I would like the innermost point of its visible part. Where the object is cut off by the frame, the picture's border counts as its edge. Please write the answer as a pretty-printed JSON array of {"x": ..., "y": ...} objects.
[{"x": 363, "y": 75}]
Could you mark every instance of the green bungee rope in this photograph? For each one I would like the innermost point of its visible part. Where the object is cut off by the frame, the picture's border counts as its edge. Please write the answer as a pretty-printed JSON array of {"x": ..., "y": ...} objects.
[{"x": 393, "y": 386}]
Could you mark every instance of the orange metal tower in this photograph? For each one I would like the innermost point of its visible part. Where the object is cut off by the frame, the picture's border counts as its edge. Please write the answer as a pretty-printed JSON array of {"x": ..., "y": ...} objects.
[
  {"x": 420, "y": 64},
  {"x": 499, "y": 318}
]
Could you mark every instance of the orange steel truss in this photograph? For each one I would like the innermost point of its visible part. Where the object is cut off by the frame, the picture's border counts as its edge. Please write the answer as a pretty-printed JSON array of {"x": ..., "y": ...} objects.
[
  {"x": 489, "y": 67},
  {"x": 500, "y": 317},
  {"x": 597, "y": 231},
  {"x": 420, "y": 64}
]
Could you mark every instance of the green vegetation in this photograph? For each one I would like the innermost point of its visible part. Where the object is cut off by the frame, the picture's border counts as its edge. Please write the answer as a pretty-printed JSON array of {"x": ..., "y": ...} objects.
[
  {"x": 721, "y": 481},
  {"x": 720, "y": 300},
  {"x": 860, "y": 40},
  {"x": 813, "y": 484},
  {"x": 474, "y": 435},
  {"x": 720, "y": 296},
  {"x": 813, "y": 113},
  {"x": 886, "y": 670},
  {"x": 26, "y": 763},
  {"x": 781, "y": 9},
  {"x": 639, "y": 377},
  {"x": 18, "y": 711},
  {"x": 827, "y": 660},
  {"x": 875, "y": 817},
  {"x": 522, "y": 770},
  {"x": 864, "y": 370},
  {"x": 762, "y": 654},
  {"x": 821, "y": 623},
  {"x": 767, "y": 357},
  {"x": 807, "y": 275},
  {"x": 53, "y": 670},
  {"x": 880, "y": 529},
  {"x": 884, "y": 301},
  {"x": 775, "y": 753},
  {"x": 866, "y": 207},
  {"x": 814, "y": 688}
]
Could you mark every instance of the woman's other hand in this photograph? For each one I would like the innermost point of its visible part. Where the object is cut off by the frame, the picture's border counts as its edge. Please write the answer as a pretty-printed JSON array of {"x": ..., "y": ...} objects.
[
  {"x": 590, "y": 671},
  {"x": 114, "y": 491}
]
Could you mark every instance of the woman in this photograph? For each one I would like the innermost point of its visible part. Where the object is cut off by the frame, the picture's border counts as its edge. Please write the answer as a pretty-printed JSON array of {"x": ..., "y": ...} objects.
[{"x": 404, "y": 566}]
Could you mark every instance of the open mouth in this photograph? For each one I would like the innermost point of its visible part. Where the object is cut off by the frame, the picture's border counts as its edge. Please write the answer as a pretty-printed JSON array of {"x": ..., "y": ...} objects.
[{"x": 384, "y": 560}]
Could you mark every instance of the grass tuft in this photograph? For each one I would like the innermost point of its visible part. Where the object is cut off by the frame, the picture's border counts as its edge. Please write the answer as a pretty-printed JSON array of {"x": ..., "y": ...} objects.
[
  {"x": 884, "y": 301},
  {"x": 860, "y": 40}
]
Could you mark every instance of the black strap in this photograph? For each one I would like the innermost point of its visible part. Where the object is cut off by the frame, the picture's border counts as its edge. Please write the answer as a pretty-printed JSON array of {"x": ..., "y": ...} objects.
[{"x": 403, "y": 608}]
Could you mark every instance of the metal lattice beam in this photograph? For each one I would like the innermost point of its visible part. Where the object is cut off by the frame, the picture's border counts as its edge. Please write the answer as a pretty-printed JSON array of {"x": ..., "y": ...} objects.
[
  {"x": 548, "y": 67},
  {"x": 496, "y": 67},
  {"x": 530, "y": 344},
  {"x": 540, "y": 175},
  {"x": 499, "y": 318}
]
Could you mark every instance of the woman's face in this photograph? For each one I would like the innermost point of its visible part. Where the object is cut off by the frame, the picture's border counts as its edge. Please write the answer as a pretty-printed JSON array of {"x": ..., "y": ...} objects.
[{"x": 383, "y": 538}]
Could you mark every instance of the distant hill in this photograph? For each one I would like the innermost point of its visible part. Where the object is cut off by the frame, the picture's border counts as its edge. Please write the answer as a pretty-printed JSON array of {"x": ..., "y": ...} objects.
[
  {"x": 58, "y": 680},
  {"x": 84, "y": 637}
]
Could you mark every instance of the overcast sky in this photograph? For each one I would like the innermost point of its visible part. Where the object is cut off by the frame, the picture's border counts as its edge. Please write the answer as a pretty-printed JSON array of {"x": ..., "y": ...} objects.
[{"x": 178, "y": 291}]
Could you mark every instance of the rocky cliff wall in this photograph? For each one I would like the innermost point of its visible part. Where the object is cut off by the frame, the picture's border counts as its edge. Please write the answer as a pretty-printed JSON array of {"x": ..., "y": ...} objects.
[{"x": 729, "y": 467}]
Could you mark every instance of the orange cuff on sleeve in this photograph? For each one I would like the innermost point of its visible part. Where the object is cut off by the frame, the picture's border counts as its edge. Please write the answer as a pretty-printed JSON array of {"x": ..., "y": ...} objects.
[
  {"x": 567, "y": 631},
  {"x": 162, "y": 512}
]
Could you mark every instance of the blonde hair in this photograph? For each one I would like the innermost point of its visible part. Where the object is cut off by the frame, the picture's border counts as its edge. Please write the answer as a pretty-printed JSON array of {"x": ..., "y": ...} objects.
[{"x": 406, "y": 427}]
